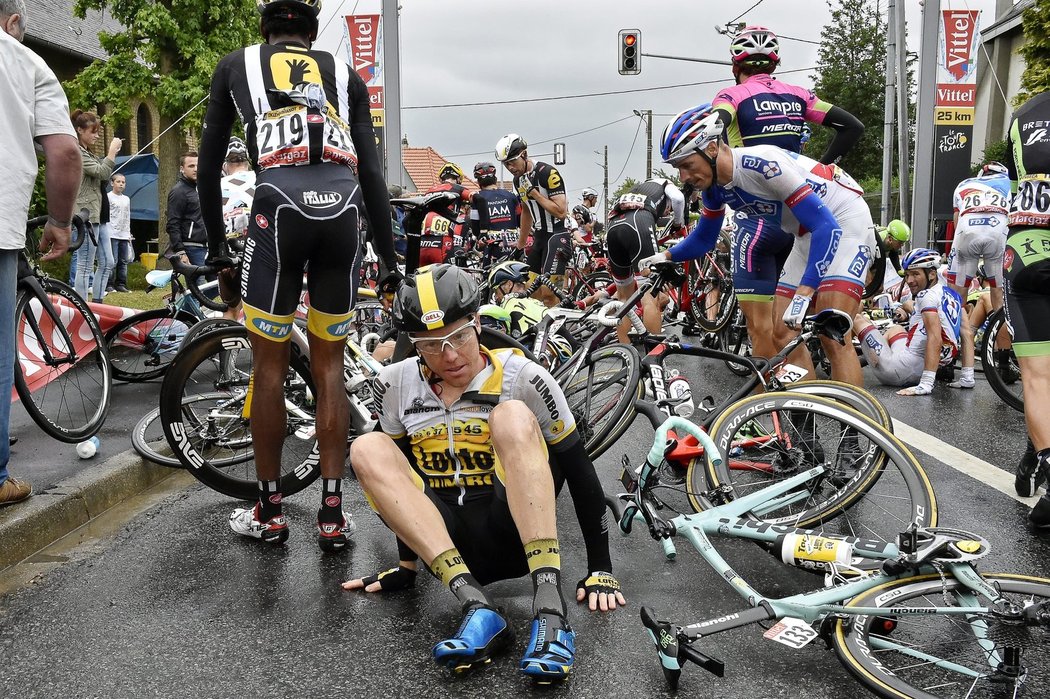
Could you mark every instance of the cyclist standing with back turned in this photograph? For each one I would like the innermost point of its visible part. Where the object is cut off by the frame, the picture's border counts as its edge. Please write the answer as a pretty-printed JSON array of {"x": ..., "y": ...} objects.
[{"x": 309, "y": 131}]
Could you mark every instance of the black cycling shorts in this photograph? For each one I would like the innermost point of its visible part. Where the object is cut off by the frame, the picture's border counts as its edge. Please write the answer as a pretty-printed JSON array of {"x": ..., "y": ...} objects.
[
  {"x": 630, "y": 238},
  {"x": 303, "y": 218},
  {"x": 1027, "y": 268},
  {"x": 550, "y": 254}
]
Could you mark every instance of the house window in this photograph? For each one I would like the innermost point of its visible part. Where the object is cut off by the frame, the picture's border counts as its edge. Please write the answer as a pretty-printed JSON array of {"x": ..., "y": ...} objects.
[{"x": 144, "y": 128}]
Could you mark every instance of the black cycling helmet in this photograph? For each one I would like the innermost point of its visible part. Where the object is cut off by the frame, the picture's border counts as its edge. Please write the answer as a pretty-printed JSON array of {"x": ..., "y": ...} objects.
[
  {"x": 583, "y": 212},
  {"x": 236, "y": 151},
  {"x": 509, "y": 271},
  {"x": 436, "y": 297},
  {"x": 310, "y": 7},
  {"x": 485, "y": 173}
]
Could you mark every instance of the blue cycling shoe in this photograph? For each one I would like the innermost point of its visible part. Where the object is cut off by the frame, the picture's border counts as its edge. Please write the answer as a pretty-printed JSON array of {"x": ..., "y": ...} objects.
[
  {"x": 482, "y": 633},
  {"x": 551, "y": 649}
]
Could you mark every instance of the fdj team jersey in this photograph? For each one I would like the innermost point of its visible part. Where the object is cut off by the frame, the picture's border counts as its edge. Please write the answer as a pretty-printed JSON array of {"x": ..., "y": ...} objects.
[
  {"x": 548, "y": 181},
  {"x": 768, "y": 112},
  {"x": 1029, "y": 163},
  {"x": 981, "y": 202},
  {"x": 295, "y": 104},
  {"x": 451, "y": 446},
  {"x": 947, "y": 305}
]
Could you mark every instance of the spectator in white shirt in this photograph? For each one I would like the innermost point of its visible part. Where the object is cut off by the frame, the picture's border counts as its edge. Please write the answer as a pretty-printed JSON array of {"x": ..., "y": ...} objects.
[{"x": 120, "y": 232}]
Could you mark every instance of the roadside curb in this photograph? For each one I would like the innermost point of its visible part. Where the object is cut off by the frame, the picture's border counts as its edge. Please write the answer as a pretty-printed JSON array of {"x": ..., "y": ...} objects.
[{"x": 46, "y": 517}]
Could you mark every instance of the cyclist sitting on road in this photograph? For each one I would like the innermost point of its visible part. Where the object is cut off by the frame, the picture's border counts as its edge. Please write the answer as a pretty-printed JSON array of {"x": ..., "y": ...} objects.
[
  {"x": 980, "y": 232},
  {"x": 631, "y": 242},
  {"x": 494, "y": 215},
  {"x": 461, "y": 473},
  {"x": 902, "y": 357},
  {"x": 306, "y": 212},
  {"x": 821, "y": 206},
  {"x": 542, "y": 191},
  {"x": 762, "y": 110}
]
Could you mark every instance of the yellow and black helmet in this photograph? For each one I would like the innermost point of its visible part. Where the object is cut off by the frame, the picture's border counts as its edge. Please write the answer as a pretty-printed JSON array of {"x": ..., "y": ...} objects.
[{"x": 437, "y": 296}]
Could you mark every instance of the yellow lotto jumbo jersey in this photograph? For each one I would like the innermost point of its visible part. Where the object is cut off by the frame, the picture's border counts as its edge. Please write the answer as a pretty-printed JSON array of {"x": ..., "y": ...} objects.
[{"x": 451, "y": 446}]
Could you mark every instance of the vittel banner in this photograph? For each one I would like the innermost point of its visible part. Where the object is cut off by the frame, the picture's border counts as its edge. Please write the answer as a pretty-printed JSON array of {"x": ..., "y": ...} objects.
[
  {"x": 364, "y": 40},
  {"x": 954, "y": 109}
]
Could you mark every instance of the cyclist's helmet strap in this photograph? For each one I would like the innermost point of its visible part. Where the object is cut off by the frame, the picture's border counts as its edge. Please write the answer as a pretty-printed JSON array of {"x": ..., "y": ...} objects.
[{"x": 437, "y": 296}]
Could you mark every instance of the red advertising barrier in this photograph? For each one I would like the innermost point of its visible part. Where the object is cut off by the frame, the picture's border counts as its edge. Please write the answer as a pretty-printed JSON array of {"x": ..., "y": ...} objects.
[{"x": 30, "y": 353}]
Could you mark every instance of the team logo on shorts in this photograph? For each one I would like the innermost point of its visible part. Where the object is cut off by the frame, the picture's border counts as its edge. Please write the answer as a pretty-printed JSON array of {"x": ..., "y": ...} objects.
[
  {"x": 262, "y": 222},
  {"x": 321, "y": 200}
]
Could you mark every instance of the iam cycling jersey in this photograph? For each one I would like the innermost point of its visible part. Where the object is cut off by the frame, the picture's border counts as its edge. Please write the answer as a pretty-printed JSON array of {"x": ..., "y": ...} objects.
[
  {"x": 451, "y": 448},
  {"x": 980, "y": 204},
  {"x": 766, "y": 111},
  {"x": 496, "y": 212},
  {"x": 776, "y": 192}
]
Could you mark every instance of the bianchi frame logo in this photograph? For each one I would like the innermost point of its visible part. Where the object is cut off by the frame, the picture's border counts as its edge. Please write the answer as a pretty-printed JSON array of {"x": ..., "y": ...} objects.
[{"x": 321, "y": 200}]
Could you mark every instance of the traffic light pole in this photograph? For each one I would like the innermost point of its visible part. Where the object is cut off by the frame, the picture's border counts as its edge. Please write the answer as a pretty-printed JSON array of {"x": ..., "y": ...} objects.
[
  {"x": 605, "y": 188},
  {"x": 686, "y": 58}
]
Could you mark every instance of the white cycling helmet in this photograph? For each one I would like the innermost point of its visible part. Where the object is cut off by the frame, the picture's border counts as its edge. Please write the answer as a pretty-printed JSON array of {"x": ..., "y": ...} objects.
[
  {"x": 588, "y": 192},
  {"x": 921, "y": 258},
  {"x": 509, "y": 147},
  {"x": 690, "y": 132},
  {"x": 755, "y": 45},
  {"x": 993, "y": 169}
]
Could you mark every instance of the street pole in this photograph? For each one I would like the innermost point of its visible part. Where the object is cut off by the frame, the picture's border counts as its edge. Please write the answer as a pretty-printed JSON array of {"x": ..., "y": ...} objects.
[
  {"x": 647, "y": 114},
  {"x": 392, "y": 96},
  {"x": 924, "y": 139},
  {"x": 903, "y": 147},
  {"x": 605, "y": 188},
  {"x": 888, "y": 112}
]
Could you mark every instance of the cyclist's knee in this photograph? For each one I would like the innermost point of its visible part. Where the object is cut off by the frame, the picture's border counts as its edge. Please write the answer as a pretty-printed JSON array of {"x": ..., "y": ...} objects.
[
  {"x": 513, "y": 426},
  {"x": 370, "y": 456}
]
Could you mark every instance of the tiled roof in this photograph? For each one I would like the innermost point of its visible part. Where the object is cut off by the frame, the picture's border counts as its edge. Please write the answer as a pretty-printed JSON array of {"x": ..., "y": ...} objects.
[
  {"x": 422, "y": 165},
  {"x": 52, "y": 22}
]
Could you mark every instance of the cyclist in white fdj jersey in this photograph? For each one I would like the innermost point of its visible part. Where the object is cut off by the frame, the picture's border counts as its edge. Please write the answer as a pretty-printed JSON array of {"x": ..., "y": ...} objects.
[
  {"x": 820, "y": 205},
  {"x": 910, "y": 356}
]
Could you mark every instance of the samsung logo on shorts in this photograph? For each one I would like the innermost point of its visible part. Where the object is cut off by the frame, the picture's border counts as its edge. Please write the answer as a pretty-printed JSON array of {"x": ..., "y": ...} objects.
[{"x": 321, "y": 200}]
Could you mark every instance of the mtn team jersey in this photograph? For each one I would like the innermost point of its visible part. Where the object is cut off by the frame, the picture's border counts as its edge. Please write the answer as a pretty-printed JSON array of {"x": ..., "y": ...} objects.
[
  {"x": 982, "y": 203},
  {"x": 282, "y": 128},
  {"x": 1028, "y": 162},
  {"x": 947, "y": 305},
  {"x": 788, "y": 191},
  {"x": 451, "y": 446},
  {"x": 766, "y": 111},
  {"x": 548, "y": 180}
]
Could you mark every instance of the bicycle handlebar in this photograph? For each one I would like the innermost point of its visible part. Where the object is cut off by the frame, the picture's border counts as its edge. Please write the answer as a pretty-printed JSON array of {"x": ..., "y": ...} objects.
[
  {"x": 605, "y": 316},
  {"x": 191, "y": 273}
]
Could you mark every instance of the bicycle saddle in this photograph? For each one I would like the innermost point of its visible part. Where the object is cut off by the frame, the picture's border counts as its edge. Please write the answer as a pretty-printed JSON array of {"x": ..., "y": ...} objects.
[
  {"x": 159, "y": 278},
  {"x": 832, "y": 323}
]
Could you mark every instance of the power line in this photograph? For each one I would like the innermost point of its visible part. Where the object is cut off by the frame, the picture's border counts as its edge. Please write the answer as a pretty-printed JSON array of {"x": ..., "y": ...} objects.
[
  {"x": 745, "y": 12},
  {"x": 589, "y": 94},
  {"x": 630, "y": 152},
  {"x": 336, "y": 14},
  {"x": 795, "y": 38},
  {"x": 555, "y": 138}
]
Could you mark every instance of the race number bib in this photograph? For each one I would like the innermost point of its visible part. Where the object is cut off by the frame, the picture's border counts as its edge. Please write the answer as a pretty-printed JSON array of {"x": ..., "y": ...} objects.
[
  {"x": 975, "y": 201},
  {"x": 338, "y": 144},
  {"x": 1031, "y": 204},
  {"x": 631, "y": 201},
  {"x": 283, "y": 138}
]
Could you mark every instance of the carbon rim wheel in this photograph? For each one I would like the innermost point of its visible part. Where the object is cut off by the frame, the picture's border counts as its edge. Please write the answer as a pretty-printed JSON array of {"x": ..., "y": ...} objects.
[
  {"x": 934, "y": 655},
  {"x": 1004, "y": 376},
  {"x": 203, "y": 412},
  {"x": 64, "y": 389},
  {"x": 872, "y": 486},
  {"x": 141, "y": 347},
  {"x": 601, "y": 395}
]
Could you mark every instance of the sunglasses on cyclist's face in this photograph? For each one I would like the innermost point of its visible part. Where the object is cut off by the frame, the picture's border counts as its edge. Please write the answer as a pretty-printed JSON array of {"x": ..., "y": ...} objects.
[{"x": 455, "y": 340}]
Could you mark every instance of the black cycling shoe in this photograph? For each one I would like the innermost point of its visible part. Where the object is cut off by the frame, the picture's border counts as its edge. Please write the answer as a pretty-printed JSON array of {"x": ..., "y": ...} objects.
[
  {"x": 1039, "y": 517},
  {"x": 1007, "y": 368},
  {"x": 1029, "y": 476}
]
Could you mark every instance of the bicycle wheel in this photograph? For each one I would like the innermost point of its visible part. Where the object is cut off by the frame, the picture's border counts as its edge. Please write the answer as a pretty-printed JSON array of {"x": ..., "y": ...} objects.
[
  {"x": 65, "y": 388},
  {"x": 855, "y": 397},
  {"x": 872, "y": 486},
  {"x": 713, "y": 301},
  {"x": 141, "y": 347},
  {"x": 596, "y": 281},
  {"x": 203, "y": 413},
  {"x": 148, "y": 436},
  {"x": 206, "y": 325},
  {"x": 1003, "y": 373},
  {"x": 368, "y": 317},
  {"x": 734, "y": 338},
  {"x": 601, "y": 394},
  {"x": 922, "y": 656}
]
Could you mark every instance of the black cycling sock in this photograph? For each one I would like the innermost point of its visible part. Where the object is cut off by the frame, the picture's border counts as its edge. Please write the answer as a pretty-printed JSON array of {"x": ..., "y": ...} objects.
[
  {"x": 331, "y": 501},
  {"x": 449, "y": 568},
  {"x": 269, "y": 500},
  {"x": 544, "y": 560}
]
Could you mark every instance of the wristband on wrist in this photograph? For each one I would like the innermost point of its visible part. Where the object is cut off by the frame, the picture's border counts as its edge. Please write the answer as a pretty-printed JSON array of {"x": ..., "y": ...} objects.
[
  {"x": 52, "y": 221},
  {"x": 928, "y": 377}
]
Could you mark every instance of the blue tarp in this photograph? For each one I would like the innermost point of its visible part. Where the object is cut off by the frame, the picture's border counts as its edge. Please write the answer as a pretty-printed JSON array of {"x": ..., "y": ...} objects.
[{"x": 141, "y": 174}]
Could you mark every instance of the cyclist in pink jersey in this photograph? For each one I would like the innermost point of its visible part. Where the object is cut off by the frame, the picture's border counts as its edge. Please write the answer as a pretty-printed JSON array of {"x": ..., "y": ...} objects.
[{"x": 761, "y": 110}]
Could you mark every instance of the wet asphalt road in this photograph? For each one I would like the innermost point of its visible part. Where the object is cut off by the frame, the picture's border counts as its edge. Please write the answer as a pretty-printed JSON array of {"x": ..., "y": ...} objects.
[{"x": 174, "y": 604}]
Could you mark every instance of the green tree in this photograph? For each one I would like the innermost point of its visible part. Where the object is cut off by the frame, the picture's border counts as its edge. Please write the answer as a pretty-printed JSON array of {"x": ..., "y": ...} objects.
[
  {"x": 625, "y": 186},
  {"x": 1035, "y": 22},
  {"x": 167, "y": 50},
  {"x": 850, "y": 75},
  {"x": 995, "y": 151}
]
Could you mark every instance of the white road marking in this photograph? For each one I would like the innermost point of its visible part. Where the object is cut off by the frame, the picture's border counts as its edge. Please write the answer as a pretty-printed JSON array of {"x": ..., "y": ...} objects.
[{"x": 960, "y": 460}]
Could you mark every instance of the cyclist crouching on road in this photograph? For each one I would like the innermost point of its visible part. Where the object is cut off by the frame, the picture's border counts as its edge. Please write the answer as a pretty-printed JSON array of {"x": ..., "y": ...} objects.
[
  {"x": 904, "y": 356},
  {"x": 461, "y": 474}
]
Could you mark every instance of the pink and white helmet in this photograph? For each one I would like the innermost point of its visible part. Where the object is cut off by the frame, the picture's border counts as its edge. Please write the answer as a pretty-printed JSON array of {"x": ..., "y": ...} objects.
[{"x": 755, "y": 44}]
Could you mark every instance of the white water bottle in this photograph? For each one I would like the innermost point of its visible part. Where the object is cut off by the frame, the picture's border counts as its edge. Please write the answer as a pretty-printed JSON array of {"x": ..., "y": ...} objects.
[{"x": 678, "y": 389}]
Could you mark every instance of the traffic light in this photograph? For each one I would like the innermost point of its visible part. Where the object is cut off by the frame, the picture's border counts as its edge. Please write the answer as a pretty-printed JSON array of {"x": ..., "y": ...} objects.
[{"x": 630, "y": 52}]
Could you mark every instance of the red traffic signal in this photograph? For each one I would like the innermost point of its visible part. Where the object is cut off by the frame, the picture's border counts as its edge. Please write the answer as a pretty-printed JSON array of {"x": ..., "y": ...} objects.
[{"x": 629, "y": 52}]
